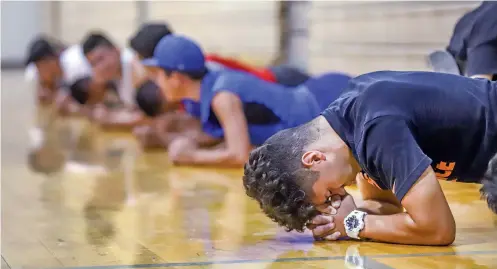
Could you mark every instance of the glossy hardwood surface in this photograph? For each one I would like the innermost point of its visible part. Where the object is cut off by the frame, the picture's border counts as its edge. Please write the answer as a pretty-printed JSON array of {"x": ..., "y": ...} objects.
[{"x": 113, "y": 206}]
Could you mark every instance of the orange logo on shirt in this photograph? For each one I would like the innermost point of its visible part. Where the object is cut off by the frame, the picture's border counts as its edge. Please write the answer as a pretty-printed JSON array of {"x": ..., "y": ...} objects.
[
  {"x": 370, "y": 180},
  {"x": 443, "y": 170}
]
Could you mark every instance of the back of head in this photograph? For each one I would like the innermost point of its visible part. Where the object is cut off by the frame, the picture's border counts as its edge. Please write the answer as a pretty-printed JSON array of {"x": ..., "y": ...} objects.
[
  {"x": 95, "y": 39},
  {"x": 148, "y": 36},
  {"x": 149, "y": 99},
  {"x": 80, "y": 90},
  {"x": 273, "y": 174},
  {"x": 40, "y": 48}
]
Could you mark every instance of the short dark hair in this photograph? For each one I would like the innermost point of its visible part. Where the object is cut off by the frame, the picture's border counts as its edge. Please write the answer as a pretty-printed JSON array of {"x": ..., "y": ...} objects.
[
  {"x": 80, "y": 90},
  {"x": 147, "y": 37},
  {"x": 197, "y": 75},
  {"x": 488, "y": 190},
  {"x": 149, "y": 99},
  {"x": 40, "y": 48},
  {"x": 274, "y": 174},
  {"x": 95, "y": 39}
]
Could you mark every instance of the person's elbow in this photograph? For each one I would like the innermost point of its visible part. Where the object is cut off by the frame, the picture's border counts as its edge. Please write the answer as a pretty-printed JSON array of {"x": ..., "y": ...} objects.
[
  {"x": 437, "y": 232},
  {"x": 446, "y": 234}
]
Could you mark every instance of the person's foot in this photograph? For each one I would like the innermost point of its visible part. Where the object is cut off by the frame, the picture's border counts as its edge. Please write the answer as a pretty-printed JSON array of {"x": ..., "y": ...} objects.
[{"x": 442, "y": 61}]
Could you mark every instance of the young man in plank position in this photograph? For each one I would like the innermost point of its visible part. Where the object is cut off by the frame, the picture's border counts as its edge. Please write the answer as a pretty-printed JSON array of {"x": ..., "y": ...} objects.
[
  {"x": 394, "y": 133},
  {"x": 235, "y": 107},
  {"x": 54, "y": 68},
  {"x": 122, "y": 70},
  {"x": 169, "y": 120},
  {"x": 472, "y": 50}
]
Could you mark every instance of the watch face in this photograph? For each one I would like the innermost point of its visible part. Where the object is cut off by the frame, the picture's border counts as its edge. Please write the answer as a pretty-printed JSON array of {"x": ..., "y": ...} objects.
[{"x": 352, "y": 222}]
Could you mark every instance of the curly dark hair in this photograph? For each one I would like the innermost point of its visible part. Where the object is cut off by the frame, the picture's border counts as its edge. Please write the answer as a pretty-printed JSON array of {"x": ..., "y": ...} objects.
[
  {"x": 488, "y": 190},
  {"x": 273, "y": 176}
]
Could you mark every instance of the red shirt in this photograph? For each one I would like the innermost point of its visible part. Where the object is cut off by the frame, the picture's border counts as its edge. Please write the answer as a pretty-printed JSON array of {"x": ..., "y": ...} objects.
[{"x": 231, "y": 63}]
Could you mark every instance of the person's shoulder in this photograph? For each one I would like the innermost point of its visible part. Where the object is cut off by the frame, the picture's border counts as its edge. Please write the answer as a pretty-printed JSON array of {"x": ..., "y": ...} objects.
[
  {"x": 127, "y": 55},
  {"x": 31, "y": 72},
  {"x": 72, "y": 52},
  {"x": 230, "y": 78},
  {"x": 74, "y": 56},
  {"x": 74, "y": 64}
]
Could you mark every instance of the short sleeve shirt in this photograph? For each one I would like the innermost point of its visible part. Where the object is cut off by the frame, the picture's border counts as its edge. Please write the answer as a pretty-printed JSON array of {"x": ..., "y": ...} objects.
[{"x": 397, "y": 124}]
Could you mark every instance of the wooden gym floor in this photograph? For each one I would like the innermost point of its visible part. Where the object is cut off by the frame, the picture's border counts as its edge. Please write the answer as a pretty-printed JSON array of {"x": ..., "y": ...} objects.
[{"x": 114, "y": 206}]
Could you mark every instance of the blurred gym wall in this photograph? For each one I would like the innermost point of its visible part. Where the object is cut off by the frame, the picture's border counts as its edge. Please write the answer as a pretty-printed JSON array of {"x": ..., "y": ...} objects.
[
  {"x": 20, "y": 21},
  {"x": 361, "y": 37},
  {"x": 348, "y": 36}
]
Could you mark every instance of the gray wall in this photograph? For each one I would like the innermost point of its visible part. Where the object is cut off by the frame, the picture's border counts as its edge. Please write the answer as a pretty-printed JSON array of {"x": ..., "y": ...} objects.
[
  {"x": 359, "y": 37},
  {"x": 355, "y": 37},
  {"x": 21, "y": 20}
]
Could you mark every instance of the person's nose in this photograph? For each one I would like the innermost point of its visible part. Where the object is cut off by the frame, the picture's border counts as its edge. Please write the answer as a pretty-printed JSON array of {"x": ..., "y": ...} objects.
[{"x": 340, "y": 191}]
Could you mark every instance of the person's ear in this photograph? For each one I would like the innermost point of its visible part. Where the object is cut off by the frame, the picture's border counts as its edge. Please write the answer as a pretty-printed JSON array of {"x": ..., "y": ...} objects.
[
  {"x": 312, "y": 157},
  {"x": 182, "y": 79},
  {"x": 175, "y": 80}
]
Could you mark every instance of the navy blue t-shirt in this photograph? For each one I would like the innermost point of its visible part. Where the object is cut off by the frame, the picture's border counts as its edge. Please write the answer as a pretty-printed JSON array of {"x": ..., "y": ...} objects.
[{"x": 399, "y": 123}]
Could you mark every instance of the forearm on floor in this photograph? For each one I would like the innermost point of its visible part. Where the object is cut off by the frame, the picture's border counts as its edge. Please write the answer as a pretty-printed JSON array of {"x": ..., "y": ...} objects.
[
  {"x": 202, "y": 139},
  {"x": 165, "y": 138},
  {"x": 110, "y": 124},
  {"x": 402, "y": 229},
  {"x": 216, "y": 157}
]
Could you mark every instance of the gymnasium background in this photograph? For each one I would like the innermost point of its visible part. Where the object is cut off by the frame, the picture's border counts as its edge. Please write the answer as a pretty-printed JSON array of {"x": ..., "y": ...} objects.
[{"x": 354, "y": 37}]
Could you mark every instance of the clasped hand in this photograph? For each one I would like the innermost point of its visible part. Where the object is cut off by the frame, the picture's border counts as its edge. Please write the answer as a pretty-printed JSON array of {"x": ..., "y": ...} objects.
[{"x": 329, "y": 224}]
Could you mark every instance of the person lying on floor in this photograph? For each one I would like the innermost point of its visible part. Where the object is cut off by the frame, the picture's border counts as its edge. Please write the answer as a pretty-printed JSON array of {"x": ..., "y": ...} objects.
[
  {"x": 169, "y": 125},
  {"x": 394, "y": 134},
  {"x": 122, "y": 70},
  {"x": 237, "y": 107},
  {"x": 53, "y": 68},
  {"x": 472, "y": 50}
]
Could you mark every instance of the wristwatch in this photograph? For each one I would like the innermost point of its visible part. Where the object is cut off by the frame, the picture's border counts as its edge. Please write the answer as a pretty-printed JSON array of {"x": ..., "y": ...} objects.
[{"x": 354, "y": 223}]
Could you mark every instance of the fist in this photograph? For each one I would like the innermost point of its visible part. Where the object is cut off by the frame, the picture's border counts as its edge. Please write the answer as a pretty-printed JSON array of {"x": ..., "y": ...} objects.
[
  {"x": 147, "y": 137},
  {"x": 330, "y": 227},
  {"x": 181, "y": 150}
]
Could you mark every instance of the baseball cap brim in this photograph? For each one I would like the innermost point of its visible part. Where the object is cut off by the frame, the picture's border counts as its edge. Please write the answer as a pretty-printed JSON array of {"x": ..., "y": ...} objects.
[{"x": 150, "y": 62}]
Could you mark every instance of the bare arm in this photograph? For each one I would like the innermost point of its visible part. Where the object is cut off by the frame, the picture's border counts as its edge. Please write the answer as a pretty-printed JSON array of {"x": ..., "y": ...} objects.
[
  {"x": 172, "y": 125},
  {"x": 228, "y": 109},
  {"x": 427, "y": 220},
  {"x": 375, "y": 200},
  {"x": 121, "y": 120}
]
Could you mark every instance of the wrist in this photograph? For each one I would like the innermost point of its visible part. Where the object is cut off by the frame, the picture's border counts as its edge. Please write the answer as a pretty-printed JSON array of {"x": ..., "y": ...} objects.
[
  {"x": 363, "y": 233},
  {"x": 354, "y": 223}
]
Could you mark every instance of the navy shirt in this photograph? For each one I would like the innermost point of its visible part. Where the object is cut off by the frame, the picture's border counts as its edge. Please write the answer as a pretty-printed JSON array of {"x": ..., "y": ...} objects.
[{"x": 399, "y": 123}]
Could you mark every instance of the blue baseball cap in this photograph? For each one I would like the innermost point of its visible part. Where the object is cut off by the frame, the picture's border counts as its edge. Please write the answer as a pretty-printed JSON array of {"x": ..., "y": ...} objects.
[{"x": 177, "y": 53}]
